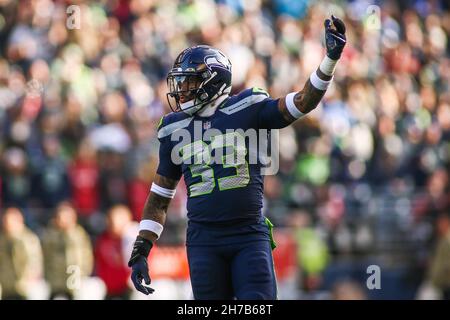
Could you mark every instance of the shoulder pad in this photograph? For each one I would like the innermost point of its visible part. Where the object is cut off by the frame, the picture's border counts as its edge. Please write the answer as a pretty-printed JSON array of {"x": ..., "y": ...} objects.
[
  {"x": 258, "y": 91},
  {"x": 159, "y": 123},
  {"x": 172, "y": 122},
  {"x": 244, "y": 100}
]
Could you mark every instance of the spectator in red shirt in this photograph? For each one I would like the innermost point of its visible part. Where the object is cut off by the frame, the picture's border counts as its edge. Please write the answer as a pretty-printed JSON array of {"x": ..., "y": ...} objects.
[
  {"x": 138, "y": 187},
  {"x": 110, "y": 261},
  {"x": 83, "y": 177}
]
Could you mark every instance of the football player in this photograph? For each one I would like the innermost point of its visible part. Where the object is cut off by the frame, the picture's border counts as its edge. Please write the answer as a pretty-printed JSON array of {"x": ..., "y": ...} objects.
[{"x": 228, "y": 241}]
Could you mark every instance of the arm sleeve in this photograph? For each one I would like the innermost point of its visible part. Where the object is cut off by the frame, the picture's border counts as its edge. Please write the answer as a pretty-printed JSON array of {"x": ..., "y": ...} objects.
[
  {"x": 269, "y": 116},
  {"x": 166, "y": 167}
]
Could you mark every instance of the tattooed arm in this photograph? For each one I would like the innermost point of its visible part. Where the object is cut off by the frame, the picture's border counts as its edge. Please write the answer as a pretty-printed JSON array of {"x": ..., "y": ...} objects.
[
  {"x": 151, "y": 226},
  {"x": 305, "y": 100},
  {"x": 297, "y": 104},
  {"x": 156, "y": 206}
]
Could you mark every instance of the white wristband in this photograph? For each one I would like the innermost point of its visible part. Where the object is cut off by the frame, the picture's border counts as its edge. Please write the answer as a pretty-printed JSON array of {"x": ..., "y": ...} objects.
[
  {"x": 163, "y": 192},
  {"x": 319, "y": 83},
  {"x": 152, "y": 226},
  {"x": 291, "y": 106},
  {"x": 327, "y": 66}
]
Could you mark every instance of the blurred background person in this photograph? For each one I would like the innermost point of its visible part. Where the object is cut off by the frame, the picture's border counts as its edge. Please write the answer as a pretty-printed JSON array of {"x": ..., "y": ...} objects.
[
  {"x": 439, "y": 272},
  {"x": 110, "y": 257},
  {"x": 348, "y": 290},
  {"x": 311, "y": 253},
  {"x": 16, "y": 187},
  {"x": 50, "y": 178},
  {"x": 67, "y": 252},
  {"x": 83, "y": 174},
  {"x": 15, "y": 180},
  {"x": 20, "y": 256}
]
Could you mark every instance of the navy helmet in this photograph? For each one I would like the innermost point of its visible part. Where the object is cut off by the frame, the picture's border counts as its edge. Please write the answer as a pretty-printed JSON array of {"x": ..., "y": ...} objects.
[{"x": 200, "y": 75}]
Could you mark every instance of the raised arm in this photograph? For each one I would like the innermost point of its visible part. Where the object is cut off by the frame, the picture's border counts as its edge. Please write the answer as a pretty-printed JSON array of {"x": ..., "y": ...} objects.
[
  {"x": 296, "y": 104},
  {"x": 150, "y": 228}
]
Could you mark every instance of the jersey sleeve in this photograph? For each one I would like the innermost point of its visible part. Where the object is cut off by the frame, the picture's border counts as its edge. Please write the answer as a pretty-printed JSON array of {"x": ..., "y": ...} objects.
[
  {"x": 269, "y": 116},
  {"x": 166, "y": 167}
]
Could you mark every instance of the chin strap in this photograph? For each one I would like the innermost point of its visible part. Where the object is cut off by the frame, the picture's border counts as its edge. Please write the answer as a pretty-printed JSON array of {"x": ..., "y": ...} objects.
[
  {"x": 209, "y": 109},
  {"x": 190, "y": 107},
  {"x": 187, "y": 105}
]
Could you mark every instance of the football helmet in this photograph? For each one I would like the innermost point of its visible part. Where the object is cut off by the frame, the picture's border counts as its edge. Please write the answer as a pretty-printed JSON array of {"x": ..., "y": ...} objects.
[{"x": 199, "y": 76}]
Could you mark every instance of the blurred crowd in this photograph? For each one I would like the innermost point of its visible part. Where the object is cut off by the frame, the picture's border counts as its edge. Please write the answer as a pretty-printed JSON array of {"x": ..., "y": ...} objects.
[{"x": 364, "y": 179}]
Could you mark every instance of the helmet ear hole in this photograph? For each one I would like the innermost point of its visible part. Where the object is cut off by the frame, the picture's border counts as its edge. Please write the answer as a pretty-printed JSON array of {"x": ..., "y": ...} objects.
[
  {"x": 203, "y": 96},
  {"x": 217, "y": 84}
]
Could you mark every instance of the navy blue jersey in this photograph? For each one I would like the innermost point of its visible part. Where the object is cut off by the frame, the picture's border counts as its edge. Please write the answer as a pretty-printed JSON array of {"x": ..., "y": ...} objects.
[{"x": 219, "y": 192}]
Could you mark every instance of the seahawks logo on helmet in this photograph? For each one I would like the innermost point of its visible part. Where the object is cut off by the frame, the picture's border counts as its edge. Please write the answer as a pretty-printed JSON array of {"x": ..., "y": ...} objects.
[{"x": 219, "y": 60}]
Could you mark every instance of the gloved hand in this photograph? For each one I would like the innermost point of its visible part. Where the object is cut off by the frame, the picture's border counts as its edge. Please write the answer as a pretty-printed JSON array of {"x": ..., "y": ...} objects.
[
  {"x": 335, "y": 39},
  {"x": 139, "y": 266}
]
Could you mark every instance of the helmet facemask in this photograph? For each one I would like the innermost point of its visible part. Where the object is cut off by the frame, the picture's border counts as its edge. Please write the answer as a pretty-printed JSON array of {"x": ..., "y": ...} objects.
[
  {"x": 186, "y": 89},
  {"x": 200, "y": 75}
]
